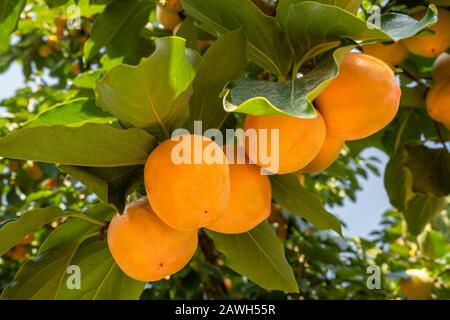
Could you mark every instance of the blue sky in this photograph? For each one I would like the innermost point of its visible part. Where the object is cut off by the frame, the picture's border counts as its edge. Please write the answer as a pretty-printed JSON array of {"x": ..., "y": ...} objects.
[{"x": 361, "y": 217}]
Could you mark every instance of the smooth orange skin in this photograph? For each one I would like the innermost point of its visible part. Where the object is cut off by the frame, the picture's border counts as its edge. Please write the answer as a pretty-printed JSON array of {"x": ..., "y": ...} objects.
[
  {"x": 34, "y": 171},
  {"x": 363, "y": 99},
  {"x": 441, "y": 67},
  {"x": 327, "y": 155},
  {"x": 300, "y": 139},
  {"x": 392, "y": 54},
  {"x": 168, "y": 19},
  {"x": 187, "y": 196},
  {"x": 431, "y": 45},
  {"x": 173, "y": 5},
  {"x": 438, "y": 99},
  {"x": 18, "y": 253},
  {"x": 250, "y": 200},
  {"x": 144, "y": 247},
  {"x": 418, "y": 287}
]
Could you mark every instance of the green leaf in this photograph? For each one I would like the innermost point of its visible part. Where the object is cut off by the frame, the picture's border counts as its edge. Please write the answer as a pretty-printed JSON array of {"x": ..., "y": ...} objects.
[
  {"x": 434, "y": 245},
  {"x": 283, "y": 7},
  {"x": 288, "y": 192},
  {"x": 398, "y": 181},
  {"x": 258, "y": 255},
  {"x": 311, "y": 24},
  {"x": 421, "y": 210},
  {"x": 292, "y": 98},
  {"x": 119, "y": 26},
  {"x": 56, "y": 3},
  {"x": 155, "y": 94},
  {"x": 12, "y": 231},
  {"x": 9, "y": 16},
  {"x": 71, "y": 113},
  {"x": 267, "y": 45},
  {"x": 41, "y": 277},
  {"x": 96, "y": 145},
  {"x": 109, "y": 184},
  {"x": 75, "y": 228},
  {"x": 224, "y": 61},
  {"x": 430, "y": 168},
  {"x": 87, "y": 79},
  {"x": 101, "y": 278}
]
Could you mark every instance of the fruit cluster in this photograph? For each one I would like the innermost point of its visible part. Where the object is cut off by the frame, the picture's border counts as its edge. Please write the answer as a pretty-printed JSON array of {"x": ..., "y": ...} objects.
[{"x": 156, "y": 236}]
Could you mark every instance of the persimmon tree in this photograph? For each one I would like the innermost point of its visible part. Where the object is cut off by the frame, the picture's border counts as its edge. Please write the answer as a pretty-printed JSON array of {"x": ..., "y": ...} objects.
[{"x": 108, "y": 81}]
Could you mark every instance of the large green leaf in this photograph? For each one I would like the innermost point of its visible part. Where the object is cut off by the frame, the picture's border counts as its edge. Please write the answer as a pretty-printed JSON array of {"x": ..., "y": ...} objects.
[
  {"x": 430, "y": 169},
  {"x": 75, "y": 228},
  {"x": 311, "y": 24},
  {"x": 293, "y": 98},
  {"x": 258, "y": 255},
  {"x": 267, "y": 44},
  {"x": 101, "y": 278},
  {"x": 41, "y": 277},
  {"x": 398, "y": 181},
  {"x": 12, "y": 231},
  {"x": 421, "y": 210},
  {"x": 71, "y": 113},
  {"x": 283, "y": 7},
  {"x": 97, "y": 145},
  {"x": 119, "y": 26},
  {"x": 224, "y": 61},
  {"x": 9, "y": 16},
  {"x": 289, "y": 193},
  {"x": 109, "y": 184},
  {"x": 155, "y": 94}
]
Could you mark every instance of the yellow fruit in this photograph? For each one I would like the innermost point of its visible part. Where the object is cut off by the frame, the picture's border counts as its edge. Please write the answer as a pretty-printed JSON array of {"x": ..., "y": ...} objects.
[
  {"x": 53, "y": 42},
  {"x": 418, "y": 286},
  {"x": 44, "y": 51},
  {"x": 250, "y": 200},
  {"x": 299, "y": 141},
  {"x": 392, "y": 54},
  {"x": 361, "y": 100},
  {"x": 431, "y": 45},
  {"x": 438, "y": 99},
  {"x": 441, "y": 67},
  {"x": 168, "y": 19},
  {"x": 144, "y": 247},
  {"x": 189, "y": 195},
  {"x": 326, "y": 156}
]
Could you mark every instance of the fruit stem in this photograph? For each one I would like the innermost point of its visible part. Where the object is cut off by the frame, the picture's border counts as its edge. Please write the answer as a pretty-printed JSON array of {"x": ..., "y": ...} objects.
[
  {"x": 86, "y": 218},
  {"x": 440, "y": 136},
  {"x": 415, "y": 79}
]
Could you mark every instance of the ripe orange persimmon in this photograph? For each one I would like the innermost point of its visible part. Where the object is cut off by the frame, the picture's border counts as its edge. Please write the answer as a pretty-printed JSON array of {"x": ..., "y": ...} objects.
[
  {"x": 169, "y": 19},
  {"x": 250, "y": 200},
  {"x": 34, "y": 171},
  {"x": 27, "y": 240},
  {"x": 361, "y": 100},
  {"x": 441, "y": 67},
  {"x": 172, "y": 5},
  {"x": 392, "y": 54},
  {"x": 438, "y": 98},
  {"x": 418, "y": 286},
  {"x": 299, "y": 141},
  {"x": 188, "y": 195},
  {"x": 18, "y": 253},
  {"x": 144, "y": 247},
  {"x": 431, "y": 45},
  {"x": 326, "y": 156}
]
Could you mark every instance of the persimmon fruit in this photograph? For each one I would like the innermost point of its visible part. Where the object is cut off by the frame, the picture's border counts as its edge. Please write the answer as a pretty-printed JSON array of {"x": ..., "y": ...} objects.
[
  {"x": 168, "y": 19},
  {"x": 393, "y": 54},
  {"x": 418, "y": 286},
  {"x": 327, "y": 155},
  {"x": 431, "y": 45},
  {"x": 361, "y": 100},
  {"x": 299, "y": 140},
  {"x": 441, "y": 67},
  {"x": 188, "y": 196},
  {"x": 250, "y": 200},
  {"x": 438, "y": 98},
  {"x": 144, "y": 247}
]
